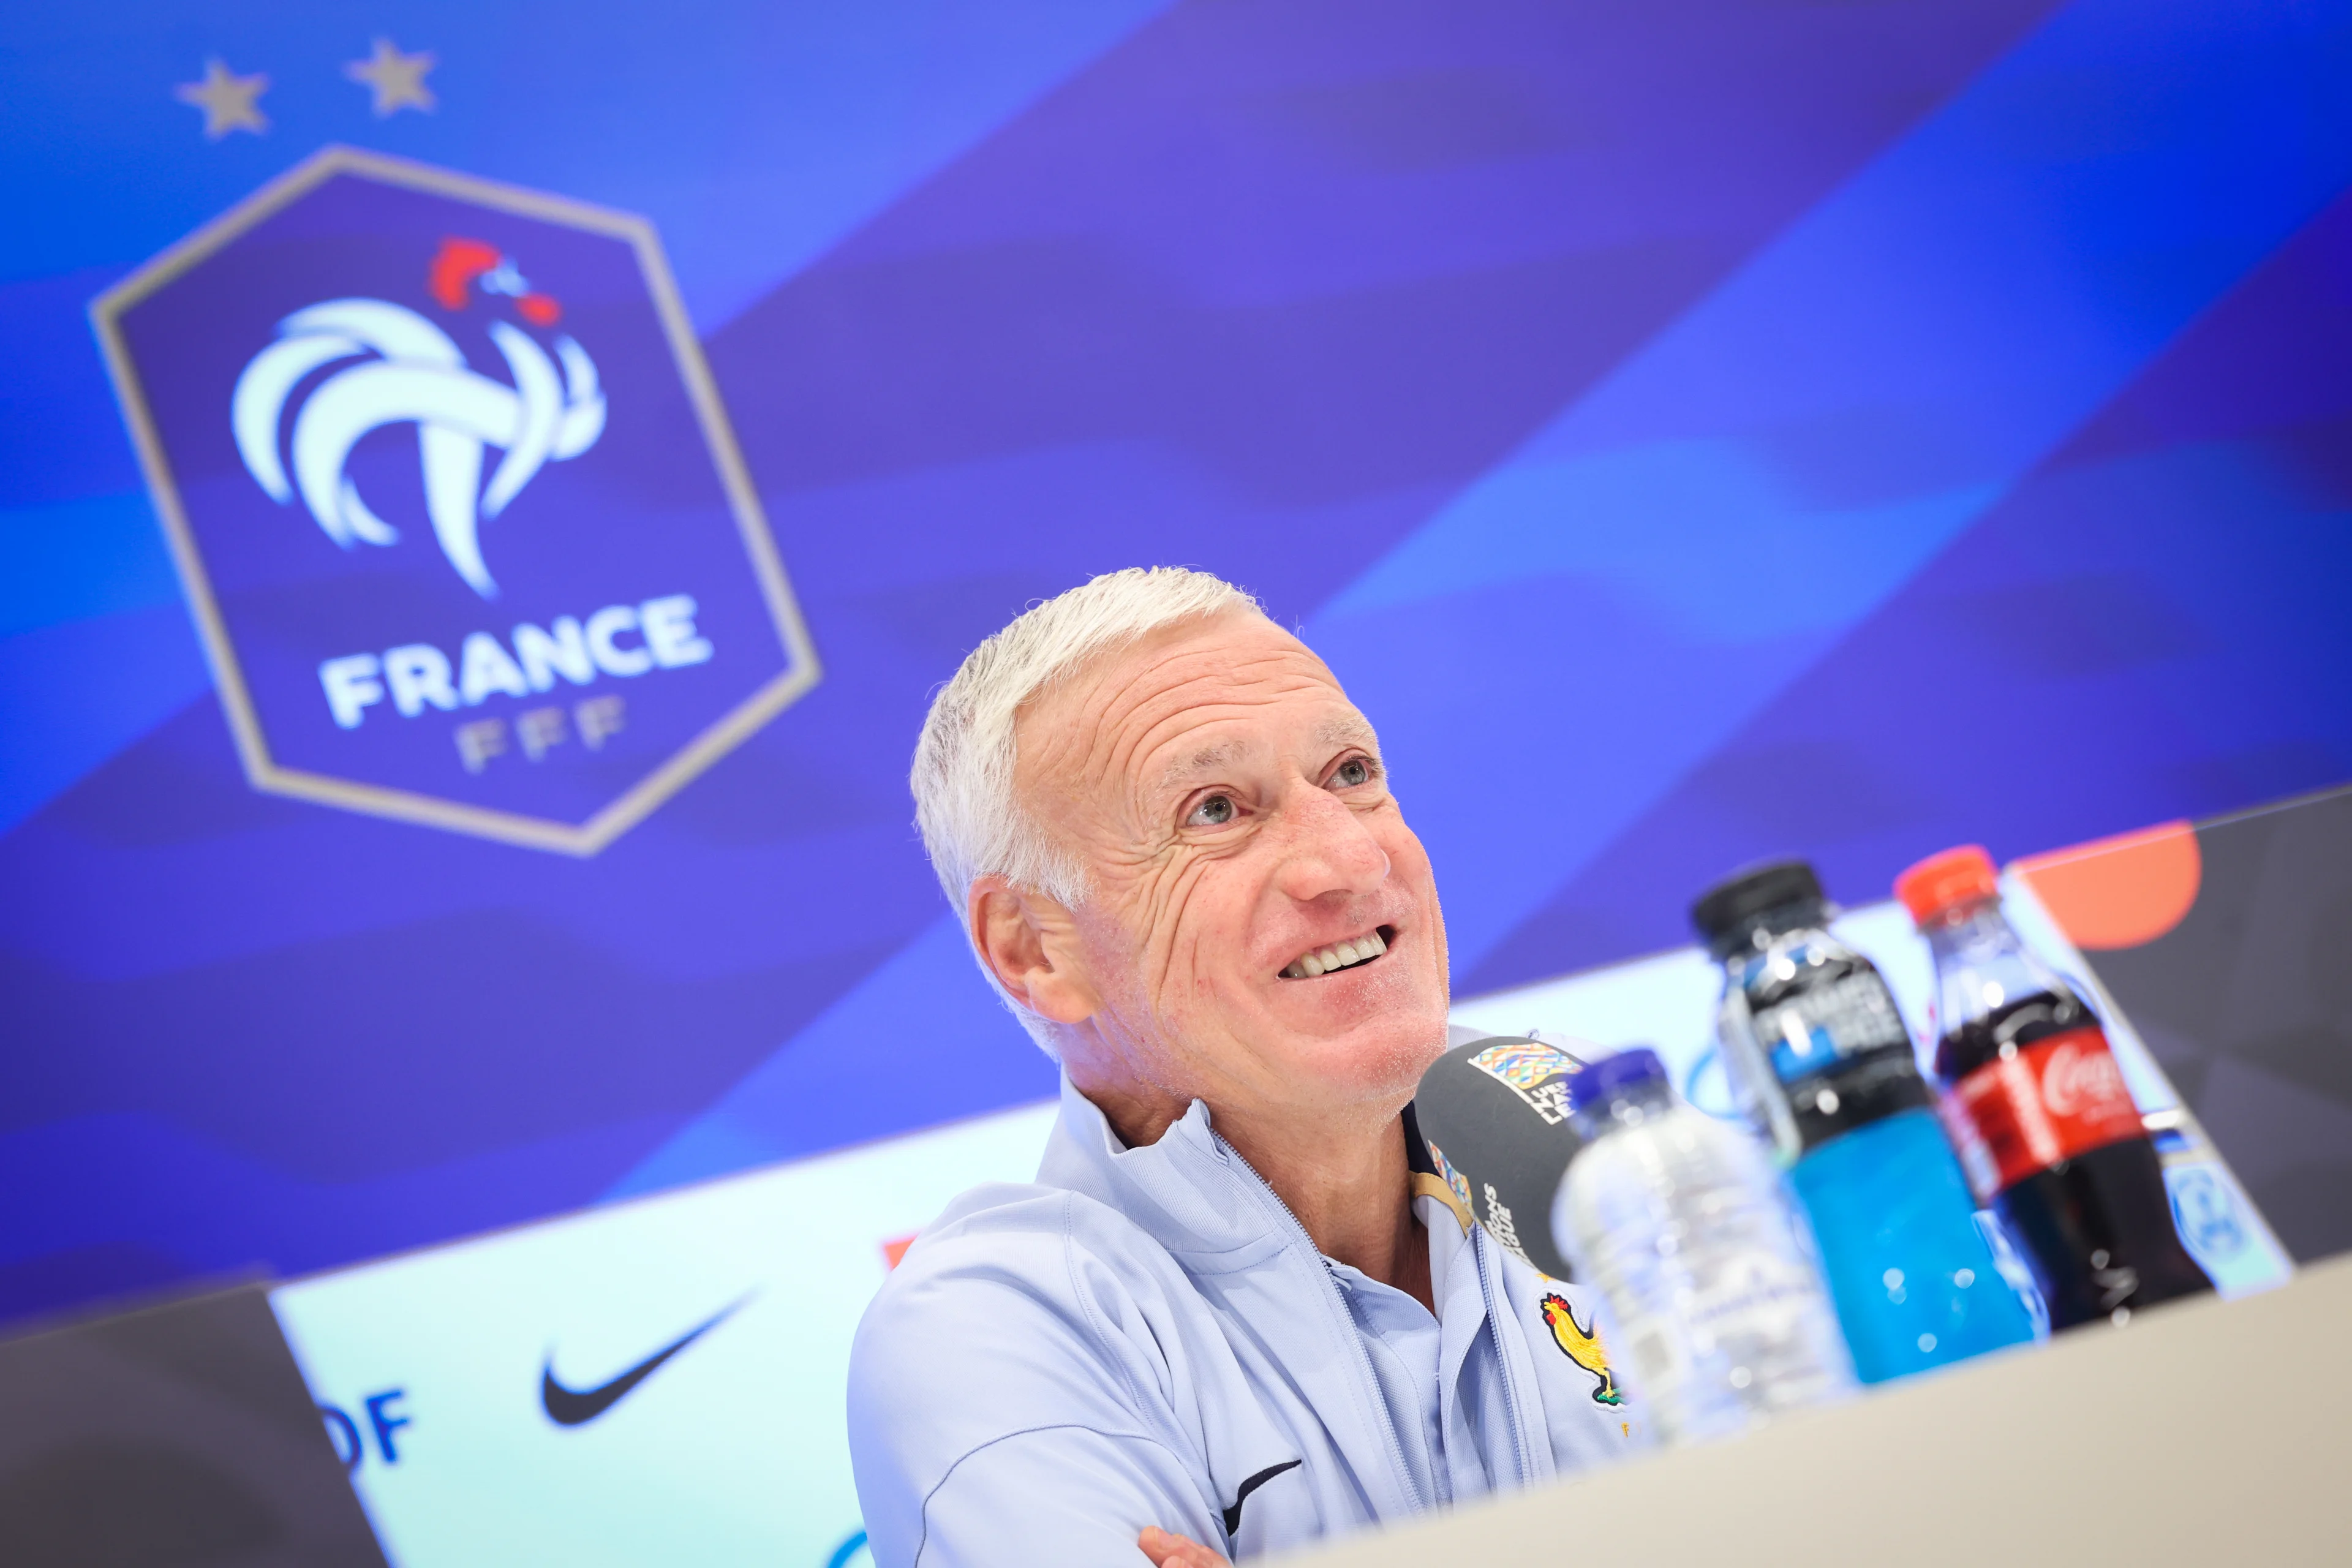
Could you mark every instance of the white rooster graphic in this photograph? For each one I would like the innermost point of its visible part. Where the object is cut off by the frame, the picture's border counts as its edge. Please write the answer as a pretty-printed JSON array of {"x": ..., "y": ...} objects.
[{"x": 411, "y": 373}]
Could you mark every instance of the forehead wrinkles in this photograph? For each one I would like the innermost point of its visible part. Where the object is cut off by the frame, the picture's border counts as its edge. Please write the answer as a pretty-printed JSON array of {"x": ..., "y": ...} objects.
[
  {"x": 1095, "y": 734},
  {"x": 1158, "y": 741}
]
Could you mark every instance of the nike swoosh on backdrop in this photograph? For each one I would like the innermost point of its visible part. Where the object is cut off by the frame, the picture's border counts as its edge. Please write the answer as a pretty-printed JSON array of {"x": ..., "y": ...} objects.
[{"x": 571, "y": 1407}]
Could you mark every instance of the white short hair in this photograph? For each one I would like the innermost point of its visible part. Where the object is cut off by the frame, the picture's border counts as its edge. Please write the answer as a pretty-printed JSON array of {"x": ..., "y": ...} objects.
[{"x": 972, "y": 823}]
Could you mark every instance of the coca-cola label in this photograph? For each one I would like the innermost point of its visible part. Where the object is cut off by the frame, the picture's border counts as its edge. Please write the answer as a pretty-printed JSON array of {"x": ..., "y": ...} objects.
[{"x": 2052, "y": 1100}]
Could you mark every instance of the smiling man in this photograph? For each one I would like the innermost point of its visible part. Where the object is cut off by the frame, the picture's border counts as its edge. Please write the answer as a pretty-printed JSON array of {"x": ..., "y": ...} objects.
[{"x": 1236, "y": 1312}]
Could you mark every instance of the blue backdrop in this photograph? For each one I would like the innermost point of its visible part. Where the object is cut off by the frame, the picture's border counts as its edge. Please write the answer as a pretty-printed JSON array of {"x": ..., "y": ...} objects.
[{"x": 1692, "y": 430}]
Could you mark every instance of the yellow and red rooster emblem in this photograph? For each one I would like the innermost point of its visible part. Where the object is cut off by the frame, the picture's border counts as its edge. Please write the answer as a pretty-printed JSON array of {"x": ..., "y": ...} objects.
[{"x": 1582, "y": 1346}]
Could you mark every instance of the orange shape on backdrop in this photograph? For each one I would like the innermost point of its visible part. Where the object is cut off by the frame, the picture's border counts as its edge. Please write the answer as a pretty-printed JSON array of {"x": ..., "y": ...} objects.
[
  {"x": 894, "y": 1248},
  {"x": 2120, "y": 891}
]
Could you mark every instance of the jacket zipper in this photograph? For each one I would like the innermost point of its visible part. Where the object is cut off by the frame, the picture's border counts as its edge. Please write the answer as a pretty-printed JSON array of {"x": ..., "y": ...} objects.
[
  {"x": 1371, "y": 1379},
  {"x": 1495, "y": 1310}
]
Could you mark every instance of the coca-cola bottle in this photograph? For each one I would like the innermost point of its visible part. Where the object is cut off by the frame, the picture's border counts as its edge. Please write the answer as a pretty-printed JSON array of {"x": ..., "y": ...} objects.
[{"x": 2045, "y": 1124}]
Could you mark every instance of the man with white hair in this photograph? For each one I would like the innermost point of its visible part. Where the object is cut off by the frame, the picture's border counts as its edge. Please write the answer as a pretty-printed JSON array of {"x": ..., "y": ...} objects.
[{"x": 1237, "y": 1311}]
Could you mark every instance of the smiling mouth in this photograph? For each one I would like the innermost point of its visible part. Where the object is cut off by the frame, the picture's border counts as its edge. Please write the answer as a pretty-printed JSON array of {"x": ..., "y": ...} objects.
[{"x": 1351, "y": 954}]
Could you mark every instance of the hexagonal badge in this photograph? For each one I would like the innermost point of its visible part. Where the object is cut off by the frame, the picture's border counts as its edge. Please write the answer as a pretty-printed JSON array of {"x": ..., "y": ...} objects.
[{"x": 458, "y": 513}]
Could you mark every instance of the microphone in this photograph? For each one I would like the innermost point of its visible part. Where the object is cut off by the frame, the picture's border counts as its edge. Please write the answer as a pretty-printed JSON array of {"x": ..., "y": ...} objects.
[{"x": 1492, "y": 1113}]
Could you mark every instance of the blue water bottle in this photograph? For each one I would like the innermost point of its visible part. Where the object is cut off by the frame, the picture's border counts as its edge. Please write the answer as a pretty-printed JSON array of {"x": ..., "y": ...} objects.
[{"x": 1819, "y": 1059}]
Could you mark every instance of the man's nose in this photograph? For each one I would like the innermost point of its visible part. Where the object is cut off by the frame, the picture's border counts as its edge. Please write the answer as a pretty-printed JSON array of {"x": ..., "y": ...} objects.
[{"x": 1331, "y": 850}]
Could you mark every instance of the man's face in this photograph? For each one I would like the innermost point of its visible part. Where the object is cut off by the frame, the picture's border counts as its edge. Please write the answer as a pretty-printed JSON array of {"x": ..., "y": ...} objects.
[{"x": 1233, "y": 815}]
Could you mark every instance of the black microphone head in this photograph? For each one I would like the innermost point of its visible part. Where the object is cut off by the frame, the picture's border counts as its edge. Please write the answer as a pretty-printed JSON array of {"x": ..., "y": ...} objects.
[{"x": 1494, "y": 1113}]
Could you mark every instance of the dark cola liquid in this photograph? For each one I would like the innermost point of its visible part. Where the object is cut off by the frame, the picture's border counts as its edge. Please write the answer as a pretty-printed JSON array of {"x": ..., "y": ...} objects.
[{"x": 2096, "y": 1228}]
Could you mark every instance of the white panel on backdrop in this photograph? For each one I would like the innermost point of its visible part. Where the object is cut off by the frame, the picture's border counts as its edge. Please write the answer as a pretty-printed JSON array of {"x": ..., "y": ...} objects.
[{"x": 730, "y": 1451}]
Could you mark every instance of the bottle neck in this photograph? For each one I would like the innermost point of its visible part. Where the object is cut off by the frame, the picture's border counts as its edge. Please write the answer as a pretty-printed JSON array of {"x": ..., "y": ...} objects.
[
  {"x": 1983, "y": 970},
  {"x": 1977, "y": 926},
  {"x": 1756, "y": 933},
  {"x": 1628, "y": 1106}
]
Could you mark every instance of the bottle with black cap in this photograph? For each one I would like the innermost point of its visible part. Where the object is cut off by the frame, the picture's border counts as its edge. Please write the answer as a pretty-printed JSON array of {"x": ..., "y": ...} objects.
[{"x": 1819, "y": 1060}]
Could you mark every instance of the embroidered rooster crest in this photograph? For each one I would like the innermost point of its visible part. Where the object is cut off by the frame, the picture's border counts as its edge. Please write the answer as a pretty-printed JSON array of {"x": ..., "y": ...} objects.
[
  {"x": 1581, "y": 1346},
  {"x": 405, "y": 369}
]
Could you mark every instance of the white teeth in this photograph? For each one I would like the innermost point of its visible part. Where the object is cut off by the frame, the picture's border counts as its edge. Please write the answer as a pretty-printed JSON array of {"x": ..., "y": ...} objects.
[{"x": 1338, "y": 955}]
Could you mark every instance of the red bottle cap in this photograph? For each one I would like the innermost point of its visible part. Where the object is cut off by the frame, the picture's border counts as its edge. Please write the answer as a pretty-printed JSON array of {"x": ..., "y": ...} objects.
[{"x": 1962, "y": 875}]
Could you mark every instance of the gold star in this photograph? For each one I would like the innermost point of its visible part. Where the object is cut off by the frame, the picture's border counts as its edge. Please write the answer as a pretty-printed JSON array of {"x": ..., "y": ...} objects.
[
  {"x": 397, "y": 80},
  {"x": 227, "y": 99}
]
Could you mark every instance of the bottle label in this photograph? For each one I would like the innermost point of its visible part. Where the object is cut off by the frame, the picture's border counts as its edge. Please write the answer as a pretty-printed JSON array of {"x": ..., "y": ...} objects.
[
  {"x": 2057, "y": 1098},
  {"x": 1824, "y": 1025}
]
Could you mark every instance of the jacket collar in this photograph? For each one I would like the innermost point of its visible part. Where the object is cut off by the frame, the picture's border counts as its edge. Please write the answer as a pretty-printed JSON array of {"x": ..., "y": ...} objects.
[{"x": 1182, "y": 1189}]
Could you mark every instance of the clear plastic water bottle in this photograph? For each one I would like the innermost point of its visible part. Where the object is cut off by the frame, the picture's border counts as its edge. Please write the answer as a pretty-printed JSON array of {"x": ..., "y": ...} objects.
[{"x": 1717, "y": 1311}]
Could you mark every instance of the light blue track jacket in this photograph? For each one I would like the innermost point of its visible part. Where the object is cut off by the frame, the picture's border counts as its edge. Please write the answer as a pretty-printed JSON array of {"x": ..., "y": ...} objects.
[{"x": 1149, "y": 1337}]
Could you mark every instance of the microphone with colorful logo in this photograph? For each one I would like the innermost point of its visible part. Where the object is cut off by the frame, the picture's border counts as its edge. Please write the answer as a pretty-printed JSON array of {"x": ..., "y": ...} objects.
[{"x": 1494, "y": 1113}]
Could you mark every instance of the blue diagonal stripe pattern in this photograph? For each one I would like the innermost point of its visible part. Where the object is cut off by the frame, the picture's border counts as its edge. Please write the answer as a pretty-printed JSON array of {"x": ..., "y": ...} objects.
[
  {"x": 1821, "y": 426},
  {"x": 945, "y": 1047}
]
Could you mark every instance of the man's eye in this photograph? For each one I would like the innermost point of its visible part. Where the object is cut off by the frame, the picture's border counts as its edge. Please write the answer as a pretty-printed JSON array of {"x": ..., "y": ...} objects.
[
  {"x": 1353, "y": 771},
  {"x": 1213, "y": 812}
]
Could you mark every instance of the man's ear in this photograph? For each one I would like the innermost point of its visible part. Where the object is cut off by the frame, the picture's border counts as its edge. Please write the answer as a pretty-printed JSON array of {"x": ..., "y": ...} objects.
[{"x": 1029, "y": 941}]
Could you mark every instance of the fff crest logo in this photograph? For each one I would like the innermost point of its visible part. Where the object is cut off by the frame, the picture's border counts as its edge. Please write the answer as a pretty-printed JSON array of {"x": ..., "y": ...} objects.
[{"x": 464, "y": 531}]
